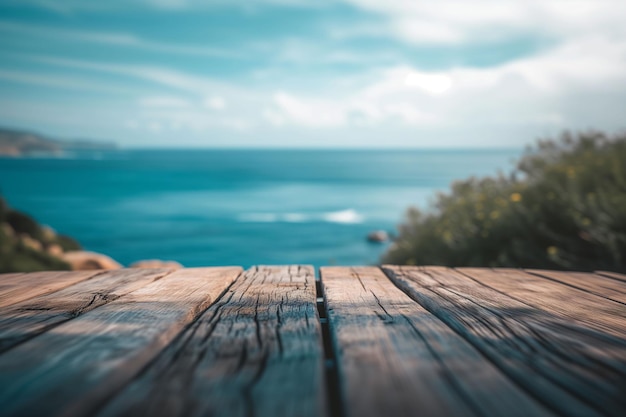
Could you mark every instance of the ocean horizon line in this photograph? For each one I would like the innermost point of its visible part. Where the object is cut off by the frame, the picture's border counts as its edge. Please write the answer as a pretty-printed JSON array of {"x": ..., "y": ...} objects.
[{"x": 324, "y": 149}]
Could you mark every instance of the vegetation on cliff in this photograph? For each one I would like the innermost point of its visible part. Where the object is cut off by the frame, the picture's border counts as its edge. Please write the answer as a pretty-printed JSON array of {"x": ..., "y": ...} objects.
[
  {"x": 563, "y": 207},
  {"x": 27, "y": 246}
]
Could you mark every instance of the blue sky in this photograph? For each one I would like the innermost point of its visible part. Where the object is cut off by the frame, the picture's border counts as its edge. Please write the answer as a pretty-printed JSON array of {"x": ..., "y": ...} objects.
[{"x": 325, "y": 73}]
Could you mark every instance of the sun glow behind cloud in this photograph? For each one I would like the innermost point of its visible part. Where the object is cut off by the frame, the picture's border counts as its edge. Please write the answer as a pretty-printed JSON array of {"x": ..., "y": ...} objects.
[
  {"x": 431, "y": 83},
  {"x": 339, "y": 73}
]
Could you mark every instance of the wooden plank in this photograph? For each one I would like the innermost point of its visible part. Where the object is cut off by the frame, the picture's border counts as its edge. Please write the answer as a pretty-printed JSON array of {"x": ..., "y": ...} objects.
[
  {"x": 256, "y": 351},
  {"x": 15, "y": 288},
  {"x": 72, "y": 369},
  {"x": 613, "y": 275},
  {"x": 397, "y": 359},
  {"x": 595, "y": 284},
  {"x": 22, "y": 321},
  {"x": 574, "y": 370},
  {"x": 8, "y": 275},
  {"x": 564, "y": 301}
]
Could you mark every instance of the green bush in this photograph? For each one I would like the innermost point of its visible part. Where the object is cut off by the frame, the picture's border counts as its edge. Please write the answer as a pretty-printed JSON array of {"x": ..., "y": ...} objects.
[
  {"x": 563, "y": 207},
  {"x": 23, "y": 224},
  {"x": 19, "y": 258},
  {"x": 3, "y": 209},
  {"x": 67, "y": 243},
  {"x": 16, "y": 255}
]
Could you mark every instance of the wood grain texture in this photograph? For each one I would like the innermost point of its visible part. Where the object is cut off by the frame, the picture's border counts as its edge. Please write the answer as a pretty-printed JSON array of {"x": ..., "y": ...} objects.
[
  {"x": 595, "y": 284},
  {"x": 256, "y": 351},
  {"x": 15, "y": 288},
  {"x": 9, "y": 275},
  {"x": 20, "y": 322},
  {"x": 613, "y": 275},
  {"x": 572, "y": 304},
  {"x": 574, "y": 370},
  {"x": 397, "y": 359},
  {"x": 72, "y": 369}
]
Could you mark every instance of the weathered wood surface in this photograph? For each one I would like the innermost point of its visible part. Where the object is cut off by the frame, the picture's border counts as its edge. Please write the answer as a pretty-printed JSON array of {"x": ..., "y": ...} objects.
[
  {"x": 72, "y": 369},
  {"x": 613, "y": 275},
  {"x": 273, "y": 341},
  {"x": 256, "y": 351},
  {"x": 573, "y": 370},
  {"x": 15, "y": 288},
  {"x": 599, "y": 285},
  {"x": 395, "y": 358},
  {"x": 578, "y": 306},
  {"x": 24, "y": 320}
]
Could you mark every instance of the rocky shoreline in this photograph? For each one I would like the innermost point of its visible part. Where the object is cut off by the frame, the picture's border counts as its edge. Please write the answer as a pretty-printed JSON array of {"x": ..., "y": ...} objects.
[
  {"x": 27, "y": 246},
  {"x": 18, "y": 143}
]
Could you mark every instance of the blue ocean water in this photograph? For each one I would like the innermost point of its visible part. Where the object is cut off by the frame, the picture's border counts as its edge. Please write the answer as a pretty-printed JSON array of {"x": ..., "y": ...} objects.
[{"x": 236, "y": 207}]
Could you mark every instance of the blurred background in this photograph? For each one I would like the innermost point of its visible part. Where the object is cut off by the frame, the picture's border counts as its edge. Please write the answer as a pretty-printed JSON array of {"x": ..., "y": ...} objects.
[{"x": 291, "y": 131}]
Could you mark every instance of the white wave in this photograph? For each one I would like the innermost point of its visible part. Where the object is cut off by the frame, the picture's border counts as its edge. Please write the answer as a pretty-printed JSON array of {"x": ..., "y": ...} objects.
[
  {"x": 348, "y": 216},
  {"x": 343, "y": 216},
  {"x": 258, "y": 218},
  {"x": 295, "y": 218}
]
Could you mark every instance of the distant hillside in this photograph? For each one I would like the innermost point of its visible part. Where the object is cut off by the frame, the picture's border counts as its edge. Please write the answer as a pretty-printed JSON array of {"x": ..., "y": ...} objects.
[{"x": 18, "y": 143}]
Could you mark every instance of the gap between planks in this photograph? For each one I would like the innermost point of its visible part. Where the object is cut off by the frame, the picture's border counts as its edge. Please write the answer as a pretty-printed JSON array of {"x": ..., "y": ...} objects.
[
  {"x": 448, "y": 383},
  {"x": 573, "y": 368},
  {"x": 396, "y": 358},
  {"x": 256, "y": 351}
]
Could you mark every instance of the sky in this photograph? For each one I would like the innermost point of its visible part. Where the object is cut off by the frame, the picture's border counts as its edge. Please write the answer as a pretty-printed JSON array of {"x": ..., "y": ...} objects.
[{"x": 322, "y": 73}]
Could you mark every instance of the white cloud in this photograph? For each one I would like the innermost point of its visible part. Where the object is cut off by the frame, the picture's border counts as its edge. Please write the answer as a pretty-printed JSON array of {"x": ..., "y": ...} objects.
[
  {"x": 61, "y": 82},
  {"x": 116, "y": 39},
  {"x": 204, "y": 95},
  {"x": 536, "y": 90},
  {"x": 160, "y": 75},
  {"x": 164, "y": 102},
  {"x": 580, "y": 82},
  {"x": 456, "y": 21},
  {"x": 155, "y": 127},
  {"x": 245, "y": 4},
  {"x": 215, "y": 103},
  {"x": 69, "y": 7},
  {"x": 575, "y": 84},
  {"x": 431, "y": 83},
  {"x": 309, "y": 112}
]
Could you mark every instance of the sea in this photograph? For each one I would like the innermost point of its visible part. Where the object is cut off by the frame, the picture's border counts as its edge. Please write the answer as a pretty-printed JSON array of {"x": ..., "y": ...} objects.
[{"x": 237, "y": 207}]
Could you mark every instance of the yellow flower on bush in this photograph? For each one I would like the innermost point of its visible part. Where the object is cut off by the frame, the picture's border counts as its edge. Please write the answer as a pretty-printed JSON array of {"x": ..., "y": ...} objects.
[
  {"x": 494, "y": 214},
  {"x": 516, "y": 197},
  {"x": 552, "y": 250}
]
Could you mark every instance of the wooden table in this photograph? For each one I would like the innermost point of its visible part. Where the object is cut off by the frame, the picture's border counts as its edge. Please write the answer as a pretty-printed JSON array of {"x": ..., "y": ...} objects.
[{"x": 277, "y": 341}]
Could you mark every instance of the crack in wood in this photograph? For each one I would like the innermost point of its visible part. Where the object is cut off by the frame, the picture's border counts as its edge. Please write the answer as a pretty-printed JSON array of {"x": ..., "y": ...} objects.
[
  {"x": 239, "y": 357},
  {"x": 524, "y": 342}
]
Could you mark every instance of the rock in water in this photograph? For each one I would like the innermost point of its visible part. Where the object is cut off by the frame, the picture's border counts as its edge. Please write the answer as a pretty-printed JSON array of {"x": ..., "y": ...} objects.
[
  {"x": 378, "y": 236},
  {"x": 85, "y": 261},
  {"x": 156, "y": 263}
]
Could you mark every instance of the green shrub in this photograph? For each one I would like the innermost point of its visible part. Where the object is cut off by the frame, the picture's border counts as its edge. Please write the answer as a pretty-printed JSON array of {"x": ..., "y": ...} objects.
[
  {"x": 24, "y": 224},
  {"x": 67, "y": 243},
  {"x": 564, "y": 207},
  {"x": 16, "y": 256},
  {"x": 19, "y": 258},
  {"x": 3, "y": 209}
]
